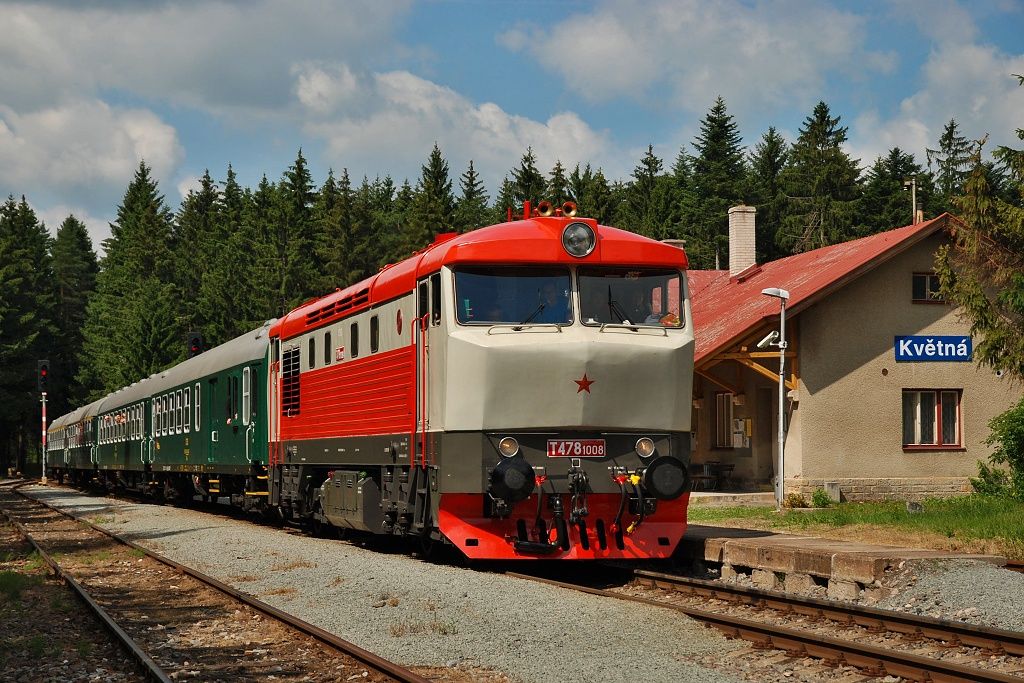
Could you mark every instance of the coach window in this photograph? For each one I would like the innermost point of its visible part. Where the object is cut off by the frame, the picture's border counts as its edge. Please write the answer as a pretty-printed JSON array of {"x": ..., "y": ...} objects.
[
  {"x": 327, "y": 352},
  {"x": 186, "y": 410},
  {"x": 247, "y": 394},
  {"x": 931, "y": 419},
  {"x": 435, "y": 299},
  {"x": 197, "y": 406},
  {"x": 178, "y": 419},
  {"x": 374, "y": 334},
  {"x": 165, "y": 412},
  {"x": 154, "y": 417},
  {"x": 312, "y": 353},
  {"x": 353, "y": 332}
]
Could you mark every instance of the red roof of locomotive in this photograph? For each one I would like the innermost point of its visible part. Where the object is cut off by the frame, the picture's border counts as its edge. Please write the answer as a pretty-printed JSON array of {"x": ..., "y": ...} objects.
[
  {"x": 535, "y": 240},
  {"x": 726, "y": 309}
]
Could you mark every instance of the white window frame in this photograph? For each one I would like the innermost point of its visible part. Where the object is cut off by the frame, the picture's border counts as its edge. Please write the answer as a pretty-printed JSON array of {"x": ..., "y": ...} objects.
[
  {"x": 164, "y": 420},
  {"x": 246, "y": 395},
  {"x": 154, "y": 417},
  {"x": 186, "y": 410},
  {"x": 198, "y": 400},
  {"x": 177, "y": 411}
]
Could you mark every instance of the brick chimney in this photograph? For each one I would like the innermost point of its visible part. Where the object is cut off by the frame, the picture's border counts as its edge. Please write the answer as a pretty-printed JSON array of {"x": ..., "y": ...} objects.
[{"x": 742, "y": 253}]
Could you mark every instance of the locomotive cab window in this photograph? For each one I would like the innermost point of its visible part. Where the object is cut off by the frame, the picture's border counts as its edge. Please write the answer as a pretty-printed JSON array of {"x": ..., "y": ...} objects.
[
  {"x": 435, "y": 299},
  {"x": 519, "y": 296},
  {"x": 643, "y": 297}
]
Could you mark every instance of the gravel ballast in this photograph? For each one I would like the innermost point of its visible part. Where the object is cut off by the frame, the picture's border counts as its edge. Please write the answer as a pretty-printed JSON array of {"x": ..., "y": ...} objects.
[{"x": 416, "y": 613}]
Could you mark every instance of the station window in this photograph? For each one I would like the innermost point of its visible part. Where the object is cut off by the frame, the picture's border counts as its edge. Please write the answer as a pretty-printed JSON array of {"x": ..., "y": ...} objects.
[
  {"x": 353, "y": 343},
  {"x": 931, "y": 418},
  {"x": 925, "y": 289},
  {"x": 374, "y": 334},
  {"x": 723, "y": 420}
]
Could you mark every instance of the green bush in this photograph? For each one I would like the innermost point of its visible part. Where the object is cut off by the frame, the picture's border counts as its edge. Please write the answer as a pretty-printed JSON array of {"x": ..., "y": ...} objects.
[
  {"x": 820, "y": 499},
  {"x": 1007, "y": 435}
]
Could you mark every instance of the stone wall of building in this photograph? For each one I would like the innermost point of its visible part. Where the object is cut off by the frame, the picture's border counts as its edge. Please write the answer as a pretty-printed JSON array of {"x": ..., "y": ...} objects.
[{"x": 917, "y": 488}]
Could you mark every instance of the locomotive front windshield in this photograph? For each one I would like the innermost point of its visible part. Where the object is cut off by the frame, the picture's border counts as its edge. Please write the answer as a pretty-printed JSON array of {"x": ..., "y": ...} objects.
[
  {"x": 635, "y": 296},
  {"x": 513, "y": 295}
]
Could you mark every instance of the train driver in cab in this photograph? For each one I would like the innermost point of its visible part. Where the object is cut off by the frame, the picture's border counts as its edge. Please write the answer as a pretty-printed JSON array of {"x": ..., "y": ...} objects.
[{"x": 554, "y": 305}]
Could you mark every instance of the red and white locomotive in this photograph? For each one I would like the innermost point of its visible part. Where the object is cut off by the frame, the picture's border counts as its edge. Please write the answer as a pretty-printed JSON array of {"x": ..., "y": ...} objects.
[{"x": 520, "y": 391}]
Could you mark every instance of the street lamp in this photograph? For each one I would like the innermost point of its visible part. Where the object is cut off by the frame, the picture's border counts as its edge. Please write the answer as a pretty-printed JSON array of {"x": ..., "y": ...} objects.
[
  {"x": 912, "y": 184},
  {"x": 780, "y": 474}
]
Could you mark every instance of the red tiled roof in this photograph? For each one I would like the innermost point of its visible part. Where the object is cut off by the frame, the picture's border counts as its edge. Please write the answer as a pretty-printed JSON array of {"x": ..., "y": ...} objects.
[{"x": 726, "y": 309}]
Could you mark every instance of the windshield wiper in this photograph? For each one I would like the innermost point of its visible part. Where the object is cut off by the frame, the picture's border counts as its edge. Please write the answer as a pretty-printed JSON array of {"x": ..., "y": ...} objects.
[
  {"x": 614, "y": 308},
  {"x": 530, "y": 318}
]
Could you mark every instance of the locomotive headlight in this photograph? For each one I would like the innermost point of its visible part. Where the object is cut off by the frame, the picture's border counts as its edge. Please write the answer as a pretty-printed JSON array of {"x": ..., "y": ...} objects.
[
  {"x": 578, "y": 239},
  {"x": 508, "y": 447},
  {"x": 644, "y": 447}
]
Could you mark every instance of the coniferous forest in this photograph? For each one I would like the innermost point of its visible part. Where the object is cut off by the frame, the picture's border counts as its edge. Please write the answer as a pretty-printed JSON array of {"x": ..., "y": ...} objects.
[{"x": 230, "y": 257}]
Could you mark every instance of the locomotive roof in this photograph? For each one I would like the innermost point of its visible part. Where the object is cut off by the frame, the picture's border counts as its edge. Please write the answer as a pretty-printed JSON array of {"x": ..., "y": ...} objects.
[
  {"x": 534, "y": 240},
  {"x": 244, "y": 348}
]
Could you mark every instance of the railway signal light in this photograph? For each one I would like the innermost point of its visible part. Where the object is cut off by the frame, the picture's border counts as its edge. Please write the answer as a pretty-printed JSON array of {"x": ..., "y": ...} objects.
[
  {"x": 195, "y": 344},
  {"x": 42, "y": 375}
]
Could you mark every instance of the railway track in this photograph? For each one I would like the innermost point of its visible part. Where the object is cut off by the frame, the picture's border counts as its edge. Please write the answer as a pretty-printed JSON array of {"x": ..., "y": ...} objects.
[
  {"x": 178, "y": 622},
  {"x": 767, "y": 618}
]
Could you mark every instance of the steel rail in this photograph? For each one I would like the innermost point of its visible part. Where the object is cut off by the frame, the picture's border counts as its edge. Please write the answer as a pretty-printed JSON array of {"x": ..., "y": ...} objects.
[
  {"x": 153, "y": 669},
  {"x": 368, "y": 658},
  {"x": 875, "y": 619},
  {"x": 872, "y": 659}
]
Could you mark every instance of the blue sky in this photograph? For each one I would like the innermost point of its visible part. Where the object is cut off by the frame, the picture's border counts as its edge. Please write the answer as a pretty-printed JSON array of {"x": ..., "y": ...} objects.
[{"x": 87, "y": 89}]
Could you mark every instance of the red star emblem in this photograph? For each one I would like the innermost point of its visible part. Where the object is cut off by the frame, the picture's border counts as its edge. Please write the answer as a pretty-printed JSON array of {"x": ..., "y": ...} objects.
[{"x": 584, "y": 384}]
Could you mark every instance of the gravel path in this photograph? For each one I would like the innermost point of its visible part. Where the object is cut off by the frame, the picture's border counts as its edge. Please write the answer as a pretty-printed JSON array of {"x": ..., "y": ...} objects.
[
  {"x": 971, "y": 591},
  {"x": 419, "y": 614}
]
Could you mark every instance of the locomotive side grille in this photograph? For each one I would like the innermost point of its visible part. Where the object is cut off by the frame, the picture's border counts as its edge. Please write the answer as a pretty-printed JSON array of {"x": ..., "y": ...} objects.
[
  {"x": 338, "y": 308},
  {"x": 290, "y": 382}
]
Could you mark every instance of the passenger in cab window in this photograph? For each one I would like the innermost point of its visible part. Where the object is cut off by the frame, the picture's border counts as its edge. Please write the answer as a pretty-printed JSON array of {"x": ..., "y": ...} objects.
[{"x": 554, "y": 305}]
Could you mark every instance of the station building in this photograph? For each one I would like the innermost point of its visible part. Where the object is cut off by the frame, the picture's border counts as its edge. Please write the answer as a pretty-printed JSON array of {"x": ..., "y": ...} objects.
[{"x": 883, "y": 397}]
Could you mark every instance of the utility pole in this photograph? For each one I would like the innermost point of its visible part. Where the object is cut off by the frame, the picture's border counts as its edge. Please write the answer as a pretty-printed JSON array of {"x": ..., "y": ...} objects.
[{"x": 912, "y": 184}]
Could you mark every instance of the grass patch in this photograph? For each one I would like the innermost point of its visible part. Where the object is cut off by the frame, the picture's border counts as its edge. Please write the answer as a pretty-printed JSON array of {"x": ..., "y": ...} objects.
[
  {"x": 136, "y": 553},
  {"x": 12, "y": 584},
  {"x": 968, "y": 522}
]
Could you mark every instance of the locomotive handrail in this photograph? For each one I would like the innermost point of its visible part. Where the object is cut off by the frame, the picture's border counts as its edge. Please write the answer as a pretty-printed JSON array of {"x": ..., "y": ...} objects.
[
  {"x": 519, "y": 327},
  {"x": 635, "y": 328}
]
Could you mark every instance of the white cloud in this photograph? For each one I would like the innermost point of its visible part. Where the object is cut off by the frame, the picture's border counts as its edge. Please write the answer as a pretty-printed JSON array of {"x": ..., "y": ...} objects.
[
  {"x": 688, "y": 52},
  {"x": 968, "y": 82},
  {"x": 187, "y": 184},
  {"x": 54, "y": 215},
  {"x": 408, "y": 114},
  {"x": 77, "y": 152}
]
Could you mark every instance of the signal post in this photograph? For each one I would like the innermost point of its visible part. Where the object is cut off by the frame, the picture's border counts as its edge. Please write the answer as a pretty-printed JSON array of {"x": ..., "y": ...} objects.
[{"x": 42, "y": 377}]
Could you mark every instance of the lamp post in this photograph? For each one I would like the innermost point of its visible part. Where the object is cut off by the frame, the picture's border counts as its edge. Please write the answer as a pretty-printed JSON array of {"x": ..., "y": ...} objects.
[
  {"x": 780, "y": 473},
  {"x": 912, "y": 184}
]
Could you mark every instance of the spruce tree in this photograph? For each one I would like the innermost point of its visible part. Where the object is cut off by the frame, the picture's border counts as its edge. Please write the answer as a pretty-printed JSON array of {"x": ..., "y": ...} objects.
[
  {"x": 27, "y": 330},
  {"x": 434, "y": 205},
  {"x": 471, "y": 208},
  {"x": 767, "y": 164},
  {"x": 952, "y": 163},
  {"x": 505, "y": 200},
  {"x": 333, "y": 214},
  {"x": 528, "y": 184},
  {"x": 648, "y": 206},
  {"x": 558, "y": 185},
  {"x": 74, "y": 275},
  {"x": 717, "y": 183},
  {"x": 885, "y": 202},
  {"x": 822, "y": 183},
  {"x": 132, "y": 326},
  {"x": 198, "y": 244},
  {"x": 298, "y": 233}
]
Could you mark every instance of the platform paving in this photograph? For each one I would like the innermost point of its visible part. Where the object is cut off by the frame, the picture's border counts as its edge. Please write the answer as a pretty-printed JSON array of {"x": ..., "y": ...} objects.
[{"x": 827, "y": 559}]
